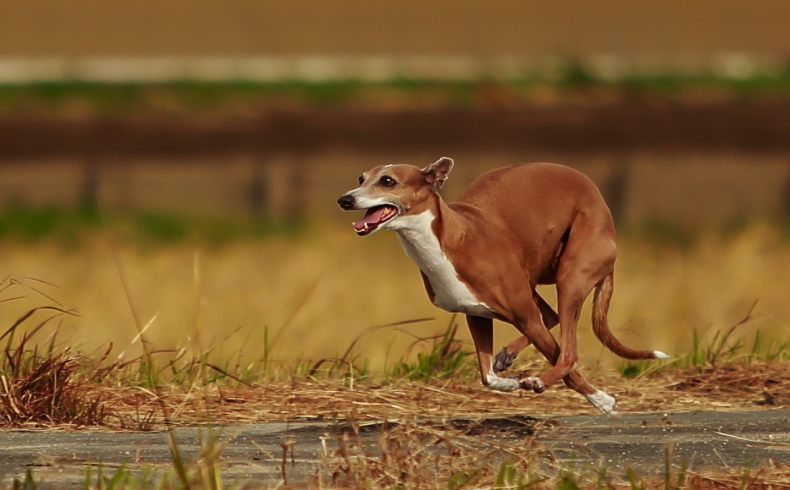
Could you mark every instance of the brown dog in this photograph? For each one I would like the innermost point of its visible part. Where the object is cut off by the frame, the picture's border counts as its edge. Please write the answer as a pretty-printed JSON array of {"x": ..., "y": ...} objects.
[{"x": 510, "y": 230}]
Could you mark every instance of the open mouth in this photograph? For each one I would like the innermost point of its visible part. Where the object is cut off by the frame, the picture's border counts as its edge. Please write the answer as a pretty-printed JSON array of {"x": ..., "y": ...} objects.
[{"x": 375, "y": 217}]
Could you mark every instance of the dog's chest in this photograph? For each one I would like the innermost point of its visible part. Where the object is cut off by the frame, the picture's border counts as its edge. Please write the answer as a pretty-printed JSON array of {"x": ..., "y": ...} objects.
[{"x": 421, "y": 245}]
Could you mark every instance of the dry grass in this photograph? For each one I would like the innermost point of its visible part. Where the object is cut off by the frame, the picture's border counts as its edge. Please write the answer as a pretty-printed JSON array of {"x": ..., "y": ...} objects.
[
  {"x": 416, "y": 456},
  {"x": 317, "y": 291},
  {"x": 202, "y": 363},
  {"x": 264, "y": 312},
  {"x": 119, "y": 395},
  {"x": 415, "y": 449},
  {"x": 733, "y": 386}
]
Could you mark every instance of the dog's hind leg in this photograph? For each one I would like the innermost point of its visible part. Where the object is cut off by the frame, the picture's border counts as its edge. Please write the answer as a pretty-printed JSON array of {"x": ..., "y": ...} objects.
[
  {"x": 588, "y": 258},
  {"x": 530, "y": 324},
  {"x": 507, "y": 354}
]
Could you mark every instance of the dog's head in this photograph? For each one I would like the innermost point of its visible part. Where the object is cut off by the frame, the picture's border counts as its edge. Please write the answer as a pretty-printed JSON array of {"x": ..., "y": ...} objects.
[{"x": 390, "y": 192}]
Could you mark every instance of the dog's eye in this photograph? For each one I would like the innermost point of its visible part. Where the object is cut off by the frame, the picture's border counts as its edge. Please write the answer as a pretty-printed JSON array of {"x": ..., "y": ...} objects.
[
  {"x": 361, "y": 179},
  {"x": 387, "y": 181}
]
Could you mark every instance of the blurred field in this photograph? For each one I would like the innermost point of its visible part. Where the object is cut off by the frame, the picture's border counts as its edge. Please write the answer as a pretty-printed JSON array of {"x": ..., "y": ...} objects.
[
  {"x": 318, "y": 289},
  {"x": 92, "y": 27}
]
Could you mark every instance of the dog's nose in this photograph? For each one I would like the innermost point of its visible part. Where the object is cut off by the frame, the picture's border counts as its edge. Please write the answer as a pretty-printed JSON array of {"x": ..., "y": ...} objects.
[{"x": 346, "y": 201}]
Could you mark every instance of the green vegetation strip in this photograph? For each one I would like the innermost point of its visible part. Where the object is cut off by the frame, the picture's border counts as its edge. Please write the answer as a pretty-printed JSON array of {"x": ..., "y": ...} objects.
[
  {"x": 69, "y": 226},
  {"x": 573, "y": 78}
]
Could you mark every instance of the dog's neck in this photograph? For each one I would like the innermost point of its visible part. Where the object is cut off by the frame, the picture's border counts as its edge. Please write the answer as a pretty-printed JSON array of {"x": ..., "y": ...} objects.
[{"x": 437, "y": 222}]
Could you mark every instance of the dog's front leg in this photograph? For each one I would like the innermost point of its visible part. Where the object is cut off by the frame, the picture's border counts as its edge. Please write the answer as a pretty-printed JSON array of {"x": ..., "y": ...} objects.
[{"x": 482, "y": 330}]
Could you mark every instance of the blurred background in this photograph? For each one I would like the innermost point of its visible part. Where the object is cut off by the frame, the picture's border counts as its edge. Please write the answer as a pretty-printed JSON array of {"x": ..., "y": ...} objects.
[{"x": 195, "y": 149}]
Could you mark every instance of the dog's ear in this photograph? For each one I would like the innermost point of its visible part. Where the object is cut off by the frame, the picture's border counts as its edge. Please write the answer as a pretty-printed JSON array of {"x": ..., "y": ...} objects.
[{"x": 436, "y": 173}]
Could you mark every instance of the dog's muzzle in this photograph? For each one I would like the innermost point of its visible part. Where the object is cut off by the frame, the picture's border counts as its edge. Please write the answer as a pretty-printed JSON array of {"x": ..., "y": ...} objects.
[{"x": 346, "y": 202}]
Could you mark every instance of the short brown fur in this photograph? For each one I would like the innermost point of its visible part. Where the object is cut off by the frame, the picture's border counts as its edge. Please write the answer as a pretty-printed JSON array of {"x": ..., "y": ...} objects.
[{"x": 510, "y": 230}]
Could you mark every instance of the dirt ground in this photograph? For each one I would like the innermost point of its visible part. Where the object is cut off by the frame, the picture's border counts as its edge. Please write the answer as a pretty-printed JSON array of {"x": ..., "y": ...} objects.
[{"x": 745, "y": 126}]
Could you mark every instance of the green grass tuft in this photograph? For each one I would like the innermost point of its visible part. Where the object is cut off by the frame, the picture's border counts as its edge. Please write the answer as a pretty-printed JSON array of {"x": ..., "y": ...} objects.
[{"x": 446, "y": 357}]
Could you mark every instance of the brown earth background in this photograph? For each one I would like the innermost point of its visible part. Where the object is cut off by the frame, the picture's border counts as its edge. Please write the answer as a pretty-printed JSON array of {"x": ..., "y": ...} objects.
[
  {"x": 391, "y": 27},
  {"x": 694, "y": 160}
]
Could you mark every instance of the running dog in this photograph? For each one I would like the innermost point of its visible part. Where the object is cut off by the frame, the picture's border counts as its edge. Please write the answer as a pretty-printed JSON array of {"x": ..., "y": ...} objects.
[{"x": 510, "y": 230}]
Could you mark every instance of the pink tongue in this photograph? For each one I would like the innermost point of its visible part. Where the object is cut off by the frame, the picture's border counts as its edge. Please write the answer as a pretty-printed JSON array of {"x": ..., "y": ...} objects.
[{"x": 372, "y": 219}]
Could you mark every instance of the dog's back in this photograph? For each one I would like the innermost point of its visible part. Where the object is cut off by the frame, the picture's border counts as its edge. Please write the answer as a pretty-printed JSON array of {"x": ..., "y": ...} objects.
[
  {"x": 535, "y": 205},
  {"x": 546, "y": 185}
]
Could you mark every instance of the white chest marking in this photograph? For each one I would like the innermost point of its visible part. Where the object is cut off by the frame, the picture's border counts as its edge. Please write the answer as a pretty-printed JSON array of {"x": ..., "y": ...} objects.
[{"x": 421, "y": 245}]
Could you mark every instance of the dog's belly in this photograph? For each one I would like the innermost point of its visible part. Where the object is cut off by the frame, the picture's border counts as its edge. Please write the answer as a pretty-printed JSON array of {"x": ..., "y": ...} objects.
[{"x": 468, "y": 306}]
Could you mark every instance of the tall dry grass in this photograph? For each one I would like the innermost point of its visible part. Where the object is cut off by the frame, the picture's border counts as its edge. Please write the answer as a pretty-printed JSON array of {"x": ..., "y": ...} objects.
[{"x": 310, "y": 295}]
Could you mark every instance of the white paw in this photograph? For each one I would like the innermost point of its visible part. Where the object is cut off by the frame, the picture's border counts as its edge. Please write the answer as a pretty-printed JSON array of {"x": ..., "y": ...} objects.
[
  {"x": 657, "y": 354},
  {"x": 501, "y": 384},
  {"x": 603, "y": 402}
]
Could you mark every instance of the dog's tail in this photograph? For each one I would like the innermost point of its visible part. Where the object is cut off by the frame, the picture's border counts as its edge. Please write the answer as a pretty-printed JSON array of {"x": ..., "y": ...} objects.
[{"x": 601, "y": 299}]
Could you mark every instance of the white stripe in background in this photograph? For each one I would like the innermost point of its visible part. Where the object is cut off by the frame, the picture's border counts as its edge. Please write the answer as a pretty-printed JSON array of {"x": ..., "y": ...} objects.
[{"x": 377, "y": 68}]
